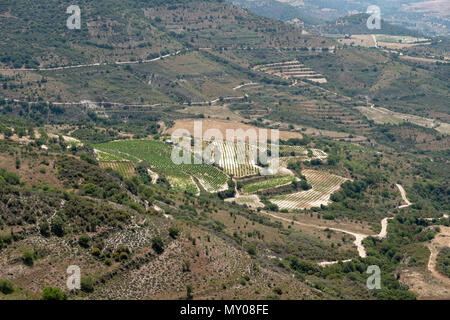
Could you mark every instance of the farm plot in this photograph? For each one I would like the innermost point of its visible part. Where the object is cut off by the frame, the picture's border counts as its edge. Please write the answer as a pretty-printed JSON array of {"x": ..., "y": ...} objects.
[
  {"x": 294, "y": 153},
  {"x": 291, "y": 69},
  {"x": 251, "y": 201},
  {"x": 158, "y": 155},
  {"x": 104, "y": 156},
  {"x": 235, "y": 158},
  {"x": 318, "y": 154},
  {"x": 399, "y": 39},
  {"x": 323, "y": 185},
  {"x": 383, "y": 115},
  {"x": 297, "y": 150},
  {"x": 267, "y": 184},
  {"x": 125, "y": 168}
]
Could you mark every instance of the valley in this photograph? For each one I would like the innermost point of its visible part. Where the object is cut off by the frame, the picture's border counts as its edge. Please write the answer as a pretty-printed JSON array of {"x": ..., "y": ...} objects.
[{"x": 354, "y": 125}]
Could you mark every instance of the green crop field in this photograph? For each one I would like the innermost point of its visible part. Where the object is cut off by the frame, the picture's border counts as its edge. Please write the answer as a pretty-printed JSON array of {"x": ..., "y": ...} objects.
[
  {"x": 125, "y": 168},
  {"x": 158, "y": 155},
  {"x": 266, "y": 184},
  {"x": 400, "y": 39}
]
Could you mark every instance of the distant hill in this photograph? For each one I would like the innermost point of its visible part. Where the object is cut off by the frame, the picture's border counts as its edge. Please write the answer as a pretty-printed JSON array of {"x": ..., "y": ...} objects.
[
  {"x": 357, "y": 24},
  {"x": 277, "y": 10}
]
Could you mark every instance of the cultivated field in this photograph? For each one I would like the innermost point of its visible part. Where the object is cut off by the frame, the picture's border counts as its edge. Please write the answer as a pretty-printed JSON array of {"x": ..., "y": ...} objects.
[
  {"x": 323, "y": 185},
  {"x": 291, "y": 69},
  {"x": 267, "y": 184},
  {"x": 125, "y": 168},
  {"x": 158, "y": 155},
  {"x": 383, "y": 115},
  {"x": 364, "y": 40},
  {"x": 231, "y": 158},
  {"x": 251, "y": 201},
  {"x": 399, "y": 39}
]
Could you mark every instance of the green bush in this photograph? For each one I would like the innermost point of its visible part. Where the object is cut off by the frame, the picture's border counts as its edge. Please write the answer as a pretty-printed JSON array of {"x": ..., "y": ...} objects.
[
  {"x": 83, "y": 241},
  {"x": 87, "y": 284},
  {"x": 50, "y": 293},
  {"x": 6, "y": 286},
  {"x": 44, "y": 228},
  {"x": 174, "y": 232},
  {"x": 28, "y": 257},
  {"x": 95, "y": 252},
  {"x": 57, "y": 226},
  {"x": 158, "y": 245}
]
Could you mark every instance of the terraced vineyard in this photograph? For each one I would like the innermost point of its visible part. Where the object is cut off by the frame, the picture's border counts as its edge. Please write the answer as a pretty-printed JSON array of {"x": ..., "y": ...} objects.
[
  {"x": 125, "y": 168},
  {"x": 311, "y": 105},
  {"x": 158, "y": 154},
  {"x": 266, "y": 184},
  {"x": 291, "y": 69},
  {"x": 231, "y": 153},
  {"x": 323, "y": 185}
]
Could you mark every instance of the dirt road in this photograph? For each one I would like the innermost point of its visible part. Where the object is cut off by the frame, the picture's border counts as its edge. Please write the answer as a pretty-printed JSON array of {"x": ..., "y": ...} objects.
[
  {"x": 403, "y": 194},
  {"x": 441, "y": 240}
]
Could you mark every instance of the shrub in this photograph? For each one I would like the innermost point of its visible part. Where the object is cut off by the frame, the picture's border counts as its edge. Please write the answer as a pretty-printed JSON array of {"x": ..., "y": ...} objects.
[
  {"x": 87, "y": 284},
  {"x": 158, "y": 245},
  {"x": 50, "y": 293},
  {"x": 83, "y": 241},
  {"x": 174, "y": 232},
  {"x": 123, "y": 256},
  {"x": 57, "y": 226},
  {"x": 278, "y": 291},
  {"x": 186, "y": 266},
  {"x": 189, "y": 291},
  {"x": 6, "y": 286},
  {"x": 44, "y": 228},
  {"x": 95, "y": 252},
  {"x": 28, "y": 257}
]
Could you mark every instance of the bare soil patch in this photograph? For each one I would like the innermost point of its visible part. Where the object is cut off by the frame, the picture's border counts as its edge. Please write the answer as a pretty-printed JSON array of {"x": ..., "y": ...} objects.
[{"x": 223, "y": 125}]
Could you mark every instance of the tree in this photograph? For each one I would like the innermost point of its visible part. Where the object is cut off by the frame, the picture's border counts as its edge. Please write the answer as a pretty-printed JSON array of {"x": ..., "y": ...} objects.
[
  {"x": 50, "y": 293},
  {"x": 158, "y": 245},
  {"x": 58, "y": 226}
]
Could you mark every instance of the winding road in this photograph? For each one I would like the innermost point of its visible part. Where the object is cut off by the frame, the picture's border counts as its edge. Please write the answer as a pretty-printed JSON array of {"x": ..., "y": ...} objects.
[
  {"x": 403, "y": 194},
  {"x": 94, "y": 64},
  {"x": 441, "y": 240},
  {"x": 359, "y": 237}
]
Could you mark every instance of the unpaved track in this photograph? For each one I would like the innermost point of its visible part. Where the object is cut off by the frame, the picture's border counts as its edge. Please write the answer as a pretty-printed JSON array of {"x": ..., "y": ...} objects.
[
  {"x": 403, "y": 193},
  {"x": 94, "y": 64},
  {"x": 383, "y": 232},
  {"x": 121, "y": 104},
  {"x": 359, "y": 237},
  {"x": 245, "y": 85},
  {"x": 441, "y": 240}
]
